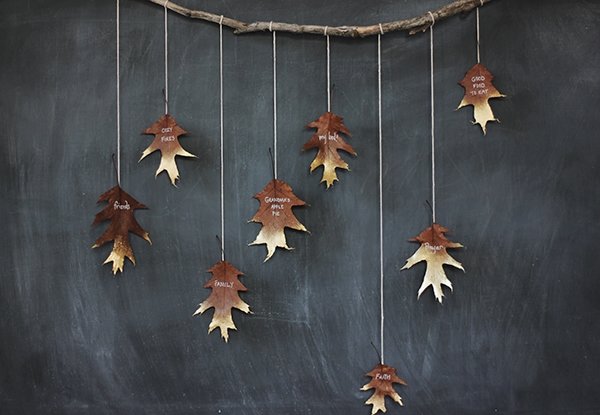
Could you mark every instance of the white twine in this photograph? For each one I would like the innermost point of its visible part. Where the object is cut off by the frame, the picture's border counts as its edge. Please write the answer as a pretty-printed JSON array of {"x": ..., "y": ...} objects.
[
  {"x": 118, "y": 95},
  {"x": 328, "y": 72},
  {"x": 477, "y": 14},
  {"x": 222, "y": 140},
  {"x": 432, "y": 119},
  {"x": 166, "y": 61},
  {"x": 380, "y": 190},
  {"x": 274, "y": 100}
]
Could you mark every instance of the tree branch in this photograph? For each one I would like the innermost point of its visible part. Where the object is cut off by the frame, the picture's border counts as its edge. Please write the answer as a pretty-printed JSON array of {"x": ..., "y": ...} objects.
[{"x": 413, "y": 25}]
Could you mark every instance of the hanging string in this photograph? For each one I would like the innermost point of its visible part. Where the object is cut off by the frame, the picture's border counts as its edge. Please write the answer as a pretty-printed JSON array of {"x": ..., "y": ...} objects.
[
  {"x": 380, "y": 190},
  {"x": 118, "y": 94},
  {"x": 222, "y": 140},
  {"x": 477, "y": 14},
  {"x": 432, "y": 119},
  {"x": 166, "y": 60},
  {"x": 274, "y": 100},
  {"x": 328, "y": 73}
]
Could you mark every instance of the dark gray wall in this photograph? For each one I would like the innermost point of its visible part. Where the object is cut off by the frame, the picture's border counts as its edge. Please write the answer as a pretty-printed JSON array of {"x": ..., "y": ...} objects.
[{"x": 520, "y": 332}]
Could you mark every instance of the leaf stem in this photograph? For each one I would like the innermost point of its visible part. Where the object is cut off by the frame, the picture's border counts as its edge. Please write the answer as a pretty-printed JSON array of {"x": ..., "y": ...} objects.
[
  {"x": 430, "y": 209},
  {"x": 114, "y": 163},
  {"x": 221, "y": 246},
  {"x": 376, "y": 351}
]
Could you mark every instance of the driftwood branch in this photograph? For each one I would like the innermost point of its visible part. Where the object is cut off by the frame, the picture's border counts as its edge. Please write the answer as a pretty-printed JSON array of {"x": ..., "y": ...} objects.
[{"x": 413, "y": 25}]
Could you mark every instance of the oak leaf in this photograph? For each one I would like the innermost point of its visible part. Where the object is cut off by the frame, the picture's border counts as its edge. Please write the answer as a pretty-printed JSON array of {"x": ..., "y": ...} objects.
[
  {"x": 120, "y": 212},
  {"x": 478, "y": 90},
  {"x": 275, "y": 214},
  {"x": 166, "y": 139},
  {"x": 328, "y": 140},
  {"x": 383, "y": 378},
  {"x": 225, "y": 286},
  {"x": 433, "y": 250}
]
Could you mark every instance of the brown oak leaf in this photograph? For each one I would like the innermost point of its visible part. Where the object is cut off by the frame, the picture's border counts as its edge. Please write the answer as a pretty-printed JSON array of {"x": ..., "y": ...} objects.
[
  {"x": 224, "y": 297},
  {"x": 383, "y": 378},
  {"x": 433, "y": 251},
  {"x": 166, "y": 139},
  {"x": 478, "y": 90},
  {"x": 120, "y": 212},
  {"x": 328, "y": 140},
  {"x": 275, "y": 213}
]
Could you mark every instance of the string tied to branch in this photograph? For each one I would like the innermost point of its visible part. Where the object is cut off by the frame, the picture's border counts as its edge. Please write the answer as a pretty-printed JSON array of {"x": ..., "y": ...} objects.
[
  {"x": 432, "y": 118},
  {"x": 274, "y": 101},
  {"x": 166, "y": 90},
  {"x": 118, "y": 47},
  {"x": 328, "y": 71},
  {"x": 222, "y": 141},
  {"x": 432, "y": 18},
  {"x": 477, "y": 16},
  {"x": 380, "y": 154}
]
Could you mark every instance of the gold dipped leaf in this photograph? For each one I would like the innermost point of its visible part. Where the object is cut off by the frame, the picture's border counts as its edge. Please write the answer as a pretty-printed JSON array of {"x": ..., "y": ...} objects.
[
  {"x": 275, "y": 214},
  {"x": 383, "y": 378},
  {"x": 328, "y": 140},
  {"x": 433, "y": 251},
  {"x": 225, "y": 285},
  {"x": 478, "y": 91},
  {"x": 166, "y": 133},
  {"x": 120, "y": 211}
]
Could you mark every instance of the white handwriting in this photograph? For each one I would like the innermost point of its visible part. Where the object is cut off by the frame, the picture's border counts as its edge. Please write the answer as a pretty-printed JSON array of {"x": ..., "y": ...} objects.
[
  {"x": 479, "y": 92},
  {"x": 433, "y": 247},
  {"x": 277, "y": 199},
  {"x": 118, "y": 206},
  {"x": 328, "y": 137},
  {"x": 223, "y": 284}
]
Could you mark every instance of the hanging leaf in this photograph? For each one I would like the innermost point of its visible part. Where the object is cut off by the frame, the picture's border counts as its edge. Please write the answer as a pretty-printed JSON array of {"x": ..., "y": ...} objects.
[
  {"x": 328, "y": 140},
  {"x": 224, "y": 297},
  {"x": 275, "y": 213},
  {"x": 383, "y": 378},
  {"x": 166, "y": 139},
  {"x": 433, "y": 251},
  {"x": 120, "y": 212},
  {"x": 478, "y": 90}
]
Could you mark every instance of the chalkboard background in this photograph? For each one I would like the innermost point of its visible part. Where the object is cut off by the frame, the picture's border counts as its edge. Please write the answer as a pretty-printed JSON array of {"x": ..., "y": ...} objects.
[{"x": 520, "y": 332}]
